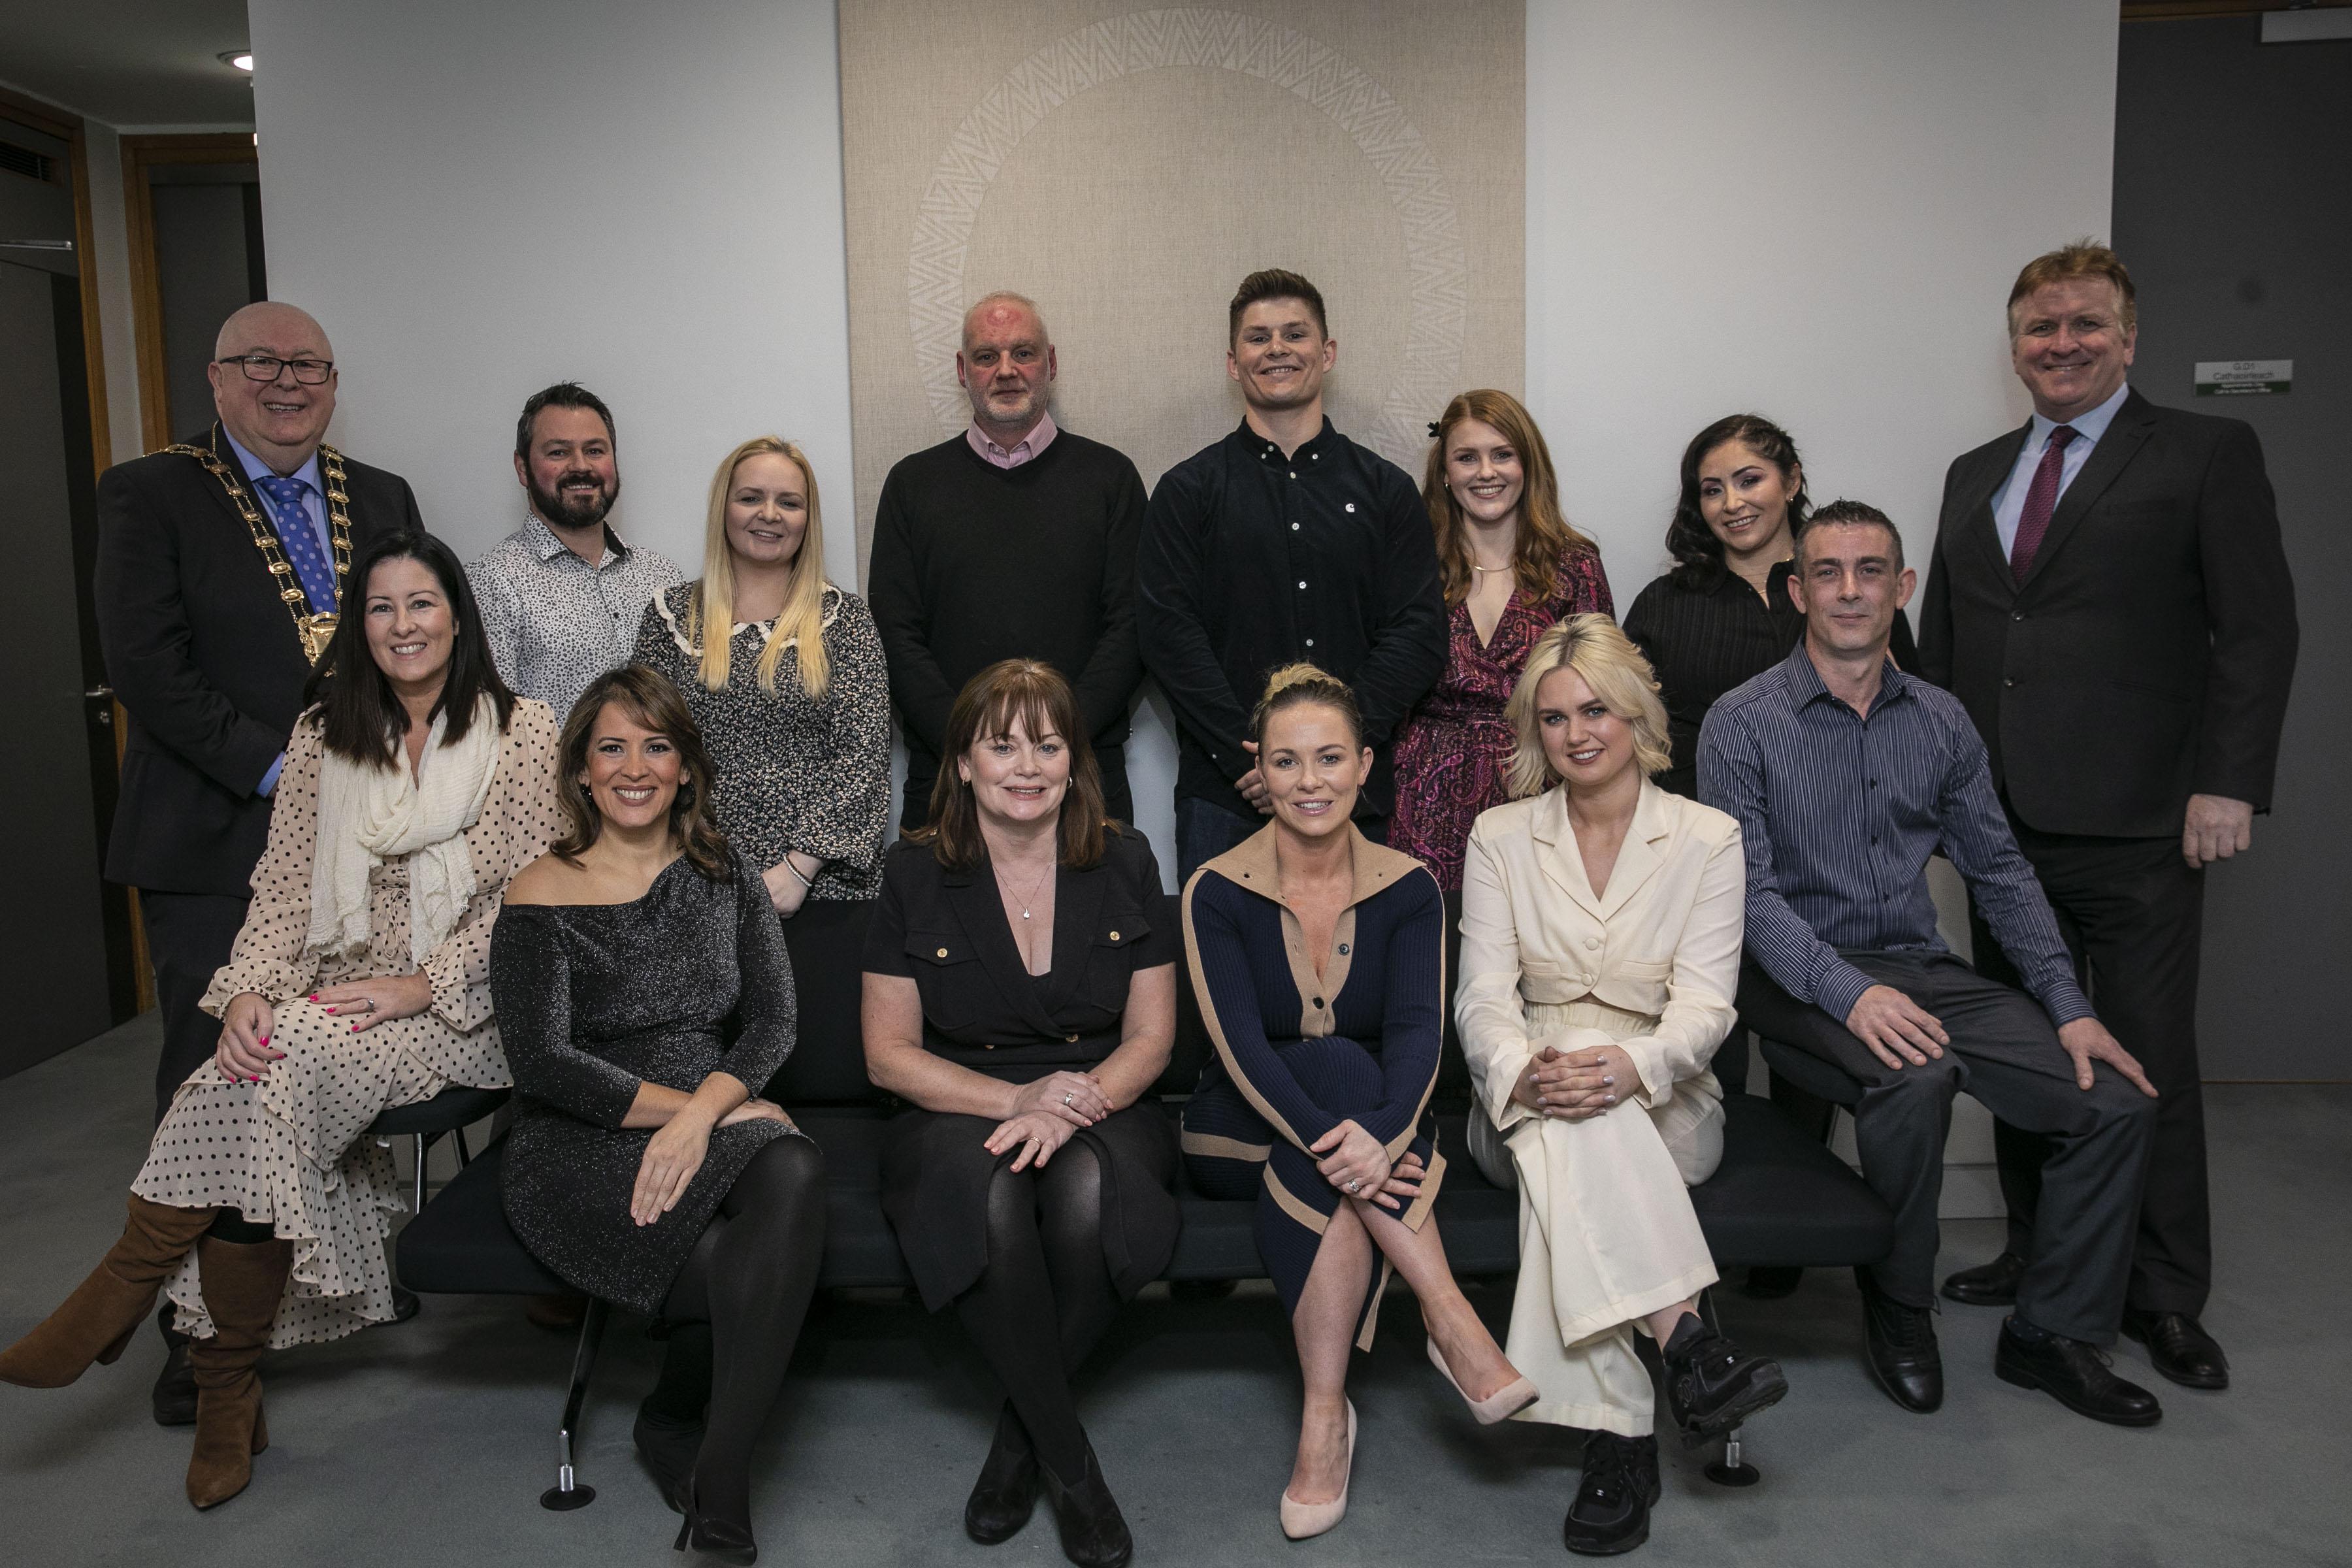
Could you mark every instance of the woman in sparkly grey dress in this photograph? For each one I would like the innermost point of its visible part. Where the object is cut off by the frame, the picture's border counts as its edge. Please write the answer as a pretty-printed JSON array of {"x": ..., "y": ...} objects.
[{"x": 642, "y": 1168}]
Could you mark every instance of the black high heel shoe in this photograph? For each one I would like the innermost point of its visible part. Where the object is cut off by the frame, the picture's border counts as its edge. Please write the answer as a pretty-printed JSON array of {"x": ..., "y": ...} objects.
[
  {"x": 1094, "y": 1535},
  {"x": 726, "y": 1538},
  {"x": 667, "y": 1448},
  {"x": 1006, "y": 1491}
]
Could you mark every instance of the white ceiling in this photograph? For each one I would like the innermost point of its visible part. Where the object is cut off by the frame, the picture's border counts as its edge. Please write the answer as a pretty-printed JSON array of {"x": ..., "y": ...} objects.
[{"x": 130, "y": 62}]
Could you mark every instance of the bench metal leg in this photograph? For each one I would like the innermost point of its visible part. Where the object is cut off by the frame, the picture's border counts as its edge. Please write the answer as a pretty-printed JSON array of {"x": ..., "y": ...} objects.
[
  {"x": 567, "y": 1493},
  {"x": 422, "y": 1144},
  {"x": 1731, "y": 1470}
]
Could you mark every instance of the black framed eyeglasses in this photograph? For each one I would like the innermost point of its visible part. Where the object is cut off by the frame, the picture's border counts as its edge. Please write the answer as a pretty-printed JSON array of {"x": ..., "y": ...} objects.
[{"x": 263, "y": 367}]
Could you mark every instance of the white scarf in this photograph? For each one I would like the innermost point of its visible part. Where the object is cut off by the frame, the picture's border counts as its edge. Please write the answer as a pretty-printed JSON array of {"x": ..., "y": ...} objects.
[{"x": 371, "y": 815}]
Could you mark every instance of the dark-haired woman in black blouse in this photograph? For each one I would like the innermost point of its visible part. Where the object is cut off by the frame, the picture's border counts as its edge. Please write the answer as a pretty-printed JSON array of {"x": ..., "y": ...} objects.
[
  {"x": 1021, "y": 997},
  {"x": 1723, "y": 616}
]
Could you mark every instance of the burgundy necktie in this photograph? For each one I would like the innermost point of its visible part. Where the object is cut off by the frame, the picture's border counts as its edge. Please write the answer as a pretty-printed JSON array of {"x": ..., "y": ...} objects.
[{"x": 2040, "y": 500}]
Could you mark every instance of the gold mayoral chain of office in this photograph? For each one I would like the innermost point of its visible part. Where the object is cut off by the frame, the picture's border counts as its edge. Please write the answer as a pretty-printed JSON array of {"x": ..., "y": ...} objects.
[{"x": 314, "y": 625}]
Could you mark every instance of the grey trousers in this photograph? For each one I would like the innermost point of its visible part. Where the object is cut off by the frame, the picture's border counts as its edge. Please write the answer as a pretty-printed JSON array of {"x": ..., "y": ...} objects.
[{"x": 2004, "y": 1052}]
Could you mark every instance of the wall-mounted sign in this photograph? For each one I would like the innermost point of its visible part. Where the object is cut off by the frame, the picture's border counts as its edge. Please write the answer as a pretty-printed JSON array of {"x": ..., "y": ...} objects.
[{"x": 2243, "y": 377}]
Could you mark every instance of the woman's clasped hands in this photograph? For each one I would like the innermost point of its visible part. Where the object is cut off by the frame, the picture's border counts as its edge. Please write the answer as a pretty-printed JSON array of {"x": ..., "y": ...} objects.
[
  {"x": 1046, "y": 1111},
  {"x": 1356, "y": 1163},
  {"x": 1575, "y": 1086}
]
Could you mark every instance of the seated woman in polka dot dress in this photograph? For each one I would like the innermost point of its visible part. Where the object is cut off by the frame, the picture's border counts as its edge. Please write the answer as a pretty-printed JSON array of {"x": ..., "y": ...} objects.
[{"x": 411, "y": 789}]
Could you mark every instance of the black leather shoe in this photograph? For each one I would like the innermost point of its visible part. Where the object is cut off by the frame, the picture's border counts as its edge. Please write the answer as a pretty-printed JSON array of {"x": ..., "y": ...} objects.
[
  {"x": 1771, "y": 1284},
  {"x": 1006, "y": 1491},
  {"x": 1904, "y": 1360},
  {"x": 1712, "y": 1385},
  {"x": 728, "y": 1539},
  {"x": 2178, "y": 1347},
  {"x": 1990, "y": 1284},
  {"x": 1612, "y": 1511},
  {"x": 175, "y": 1394},
  {"x": 668, "y": 1446},
  {"x": 1094, "y": 1535},
  {"x": 2076, "y": 1374},
  {"x": 405, "y": 1304}
]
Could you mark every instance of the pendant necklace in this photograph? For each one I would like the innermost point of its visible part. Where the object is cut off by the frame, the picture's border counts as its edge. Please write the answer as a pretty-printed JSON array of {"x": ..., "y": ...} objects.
[{"x": 1033, "y": 892}]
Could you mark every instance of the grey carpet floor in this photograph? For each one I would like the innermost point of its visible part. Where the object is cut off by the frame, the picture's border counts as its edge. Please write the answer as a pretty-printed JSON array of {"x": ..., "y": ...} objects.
[{"x": 430, "y": 1441}]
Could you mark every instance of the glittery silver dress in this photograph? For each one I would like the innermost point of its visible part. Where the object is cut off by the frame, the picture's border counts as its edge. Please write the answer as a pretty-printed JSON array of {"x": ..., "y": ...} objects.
[{"x": 599, "y": 999}]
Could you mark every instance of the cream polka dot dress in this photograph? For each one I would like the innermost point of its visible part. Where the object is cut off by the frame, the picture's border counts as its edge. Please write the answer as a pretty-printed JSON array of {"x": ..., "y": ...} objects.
[{"x": 288, "y": 1151}]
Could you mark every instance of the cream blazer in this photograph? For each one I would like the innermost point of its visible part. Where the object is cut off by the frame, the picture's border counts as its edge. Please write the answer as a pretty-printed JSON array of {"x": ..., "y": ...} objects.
[{"x": 1658, "y": 950}]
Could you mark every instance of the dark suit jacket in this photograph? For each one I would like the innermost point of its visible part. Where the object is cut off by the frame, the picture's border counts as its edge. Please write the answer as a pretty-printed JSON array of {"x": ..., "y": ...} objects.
[
  {"x": 204, "y": 658},
  {"x": 2146, "y": 656}
]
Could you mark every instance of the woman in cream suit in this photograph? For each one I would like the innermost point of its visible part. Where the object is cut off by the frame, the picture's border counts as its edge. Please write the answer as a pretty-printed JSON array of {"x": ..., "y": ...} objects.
[{"x": 1600, "y": 933}]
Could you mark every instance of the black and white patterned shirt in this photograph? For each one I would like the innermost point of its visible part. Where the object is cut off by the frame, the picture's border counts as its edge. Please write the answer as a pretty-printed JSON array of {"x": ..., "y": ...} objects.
[
  {"x": 794, "y": 772},
  {"x": 556, "y": 623}
]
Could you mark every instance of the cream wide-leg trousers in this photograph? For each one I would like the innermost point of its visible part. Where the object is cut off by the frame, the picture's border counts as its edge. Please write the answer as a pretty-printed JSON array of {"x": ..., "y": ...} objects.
[{"x": 1607, "y": 1235}]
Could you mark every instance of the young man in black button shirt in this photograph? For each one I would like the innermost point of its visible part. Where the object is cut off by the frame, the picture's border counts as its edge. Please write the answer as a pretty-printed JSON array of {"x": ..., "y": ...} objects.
[{"x": 1284, "y": 541}]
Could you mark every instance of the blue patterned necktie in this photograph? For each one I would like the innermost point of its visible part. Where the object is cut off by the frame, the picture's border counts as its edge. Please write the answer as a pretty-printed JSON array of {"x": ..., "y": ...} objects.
[{"x": 299, "y": 538}]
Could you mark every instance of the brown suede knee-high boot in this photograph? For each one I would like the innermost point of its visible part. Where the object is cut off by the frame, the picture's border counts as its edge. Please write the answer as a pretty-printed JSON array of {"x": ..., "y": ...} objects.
[
  {"x": 96, "y": 1321},
  {"x": 243, "y": 1282}
]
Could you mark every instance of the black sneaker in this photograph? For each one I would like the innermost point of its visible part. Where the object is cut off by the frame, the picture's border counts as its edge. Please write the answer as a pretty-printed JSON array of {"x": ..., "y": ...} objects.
[
  {"x": 1611, "y": 1511},
  {"x": 1712, "y": 1385}
]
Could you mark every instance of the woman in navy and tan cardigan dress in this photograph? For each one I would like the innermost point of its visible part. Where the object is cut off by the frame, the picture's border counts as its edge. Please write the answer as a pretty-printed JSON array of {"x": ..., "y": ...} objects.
[{"x": 1318, "y": 959}]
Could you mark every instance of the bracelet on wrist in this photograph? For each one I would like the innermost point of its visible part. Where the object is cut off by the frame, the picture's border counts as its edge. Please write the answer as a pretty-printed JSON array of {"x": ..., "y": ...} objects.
[{"x": 795, "y": 870}]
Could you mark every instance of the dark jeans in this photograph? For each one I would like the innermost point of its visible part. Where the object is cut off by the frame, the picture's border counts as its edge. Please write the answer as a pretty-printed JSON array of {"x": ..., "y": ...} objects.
[
  {"x": 2005, "y": 1053},
  {"x": 188, "y": 938},
  {"x": 1205, "y": 830},
  {"x": 2132, "y": 912}
]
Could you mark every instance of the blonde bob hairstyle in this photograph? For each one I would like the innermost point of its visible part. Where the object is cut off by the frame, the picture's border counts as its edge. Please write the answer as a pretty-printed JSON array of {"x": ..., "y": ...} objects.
[
  {"x": 1591, "y": 646},
  {"x": 800, "y": 625}
]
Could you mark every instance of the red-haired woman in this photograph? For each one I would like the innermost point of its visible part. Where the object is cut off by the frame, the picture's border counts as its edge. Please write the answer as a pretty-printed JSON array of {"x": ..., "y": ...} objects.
[{"x": 1512, "y": 567}]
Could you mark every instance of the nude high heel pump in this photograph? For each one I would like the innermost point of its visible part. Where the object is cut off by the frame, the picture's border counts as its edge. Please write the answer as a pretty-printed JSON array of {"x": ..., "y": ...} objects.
[
  {"x": 1499, "y": 1406},
  {"x": 1301, "y": 1519}
]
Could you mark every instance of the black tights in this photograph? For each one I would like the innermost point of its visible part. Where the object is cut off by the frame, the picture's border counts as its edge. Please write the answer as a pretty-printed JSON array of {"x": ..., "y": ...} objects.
[
  {"x": 1046, "y": 1296},
  {"x": 737, "y": 1307}
]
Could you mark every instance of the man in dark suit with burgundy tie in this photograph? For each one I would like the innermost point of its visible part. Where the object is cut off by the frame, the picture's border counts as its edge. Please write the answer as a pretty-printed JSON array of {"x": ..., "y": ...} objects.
[
  {"x": 2110, "y": 600},
  {"x": 208, "y": 653}
]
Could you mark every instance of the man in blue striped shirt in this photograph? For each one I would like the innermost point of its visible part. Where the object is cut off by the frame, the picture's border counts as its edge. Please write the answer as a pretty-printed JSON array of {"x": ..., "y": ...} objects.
[{"x": 1847, "y": 774}]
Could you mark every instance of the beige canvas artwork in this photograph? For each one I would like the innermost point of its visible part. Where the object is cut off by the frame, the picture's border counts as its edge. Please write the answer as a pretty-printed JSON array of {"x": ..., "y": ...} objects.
[{"x": 1125, "y": 166}]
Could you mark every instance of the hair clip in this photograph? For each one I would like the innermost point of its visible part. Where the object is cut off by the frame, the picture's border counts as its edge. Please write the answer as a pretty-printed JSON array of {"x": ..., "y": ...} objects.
[{"x": 1435, "y": 429}]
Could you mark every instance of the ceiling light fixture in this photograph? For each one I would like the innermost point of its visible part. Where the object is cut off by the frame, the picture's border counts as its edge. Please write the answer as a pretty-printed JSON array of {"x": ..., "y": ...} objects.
[{"x": 240, "y": 58}]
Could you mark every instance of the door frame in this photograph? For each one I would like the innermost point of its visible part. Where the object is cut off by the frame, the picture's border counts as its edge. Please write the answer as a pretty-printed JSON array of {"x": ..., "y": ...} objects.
[
  {"x": 67, "y": 126},
  {"x": 140, "y": 155}
]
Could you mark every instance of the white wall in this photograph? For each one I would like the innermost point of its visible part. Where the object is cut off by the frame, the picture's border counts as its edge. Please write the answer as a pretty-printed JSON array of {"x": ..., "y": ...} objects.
[
  {"x": 1812, "y": 209},
  {"x": 476, "y": 200}
]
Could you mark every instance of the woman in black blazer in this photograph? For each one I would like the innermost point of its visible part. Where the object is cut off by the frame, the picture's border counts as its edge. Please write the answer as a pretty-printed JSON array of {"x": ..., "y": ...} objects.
[{"x": 1020, "y": 997}]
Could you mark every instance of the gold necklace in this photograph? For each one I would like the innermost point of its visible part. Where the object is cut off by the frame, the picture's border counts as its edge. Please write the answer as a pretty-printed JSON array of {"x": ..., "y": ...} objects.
[{"x": 315, "y": 627}]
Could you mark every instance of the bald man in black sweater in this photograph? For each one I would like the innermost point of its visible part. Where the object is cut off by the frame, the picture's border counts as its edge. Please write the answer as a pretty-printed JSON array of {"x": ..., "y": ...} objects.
[{"x": 1012, "y": 540}]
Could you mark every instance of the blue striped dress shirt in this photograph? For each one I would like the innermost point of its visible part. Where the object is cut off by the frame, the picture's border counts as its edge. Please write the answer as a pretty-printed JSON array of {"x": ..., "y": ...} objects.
[{"x": 1839, "y": 813}]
